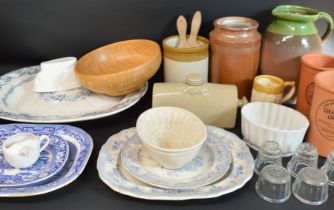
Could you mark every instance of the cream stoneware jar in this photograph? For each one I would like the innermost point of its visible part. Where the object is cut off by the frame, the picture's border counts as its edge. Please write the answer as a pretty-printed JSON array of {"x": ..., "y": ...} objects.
[
  {"x": 214, "y": 104},
  {"x": 180, "y": 62}
]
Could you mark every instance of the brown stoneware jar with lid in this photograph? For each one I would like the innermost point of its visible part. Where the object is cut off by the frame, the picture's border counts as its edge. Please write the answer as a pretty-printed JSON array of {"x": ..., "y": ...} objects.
[{"x": 235, "y": 52}]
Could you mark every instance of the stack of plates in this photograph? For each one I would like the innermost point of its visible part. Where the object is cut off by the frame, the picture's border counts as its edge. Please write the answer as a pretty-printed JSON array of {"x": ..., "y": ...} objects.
[
  {"x": 223, "y": 165},
  {"x": 60, "y": 163}
]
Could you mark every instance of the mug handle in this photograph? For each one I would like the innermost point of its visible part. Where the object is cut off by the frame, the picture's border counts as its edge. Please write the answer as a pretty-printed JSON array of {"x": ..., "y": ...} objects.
[
  {"x": 291, "y": 92},
  {"x": 330, "y": 24},
  {"x": 44, "y": 141}
]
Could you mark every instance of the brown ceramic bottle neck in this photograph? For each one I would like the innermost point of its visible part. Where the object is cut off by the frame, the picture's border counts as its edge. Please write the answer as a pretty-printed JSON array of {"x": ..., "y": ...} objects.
[
  {"x": 232, "y": 33},
  {"x": 236, "y": 24}
]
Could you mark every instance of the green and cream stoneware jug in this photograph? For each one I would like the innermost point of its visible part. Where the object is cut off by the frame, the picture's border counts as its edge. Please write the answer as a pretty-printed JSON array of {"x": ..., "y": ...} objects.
[{"x": 292, "y": 34}]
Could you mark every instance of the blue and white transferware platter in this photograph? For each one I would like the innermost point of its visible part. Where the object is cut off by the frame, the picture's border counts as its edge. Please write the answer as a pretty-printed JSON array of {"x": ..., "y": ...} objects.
[
  {"x": 111, "y": 170},
  {"x": 212, "y": 162},
  {"x": 52, "y": 159},
  {"x": 19, "y": 103},
  {"x": 80, "y": 148}
]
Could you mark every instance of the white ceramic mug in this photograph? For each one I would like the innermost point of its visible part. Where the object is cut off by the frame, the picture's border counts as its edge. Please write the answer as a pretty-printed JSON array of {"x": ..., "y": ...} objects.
[{"x": 23, "y": 150}]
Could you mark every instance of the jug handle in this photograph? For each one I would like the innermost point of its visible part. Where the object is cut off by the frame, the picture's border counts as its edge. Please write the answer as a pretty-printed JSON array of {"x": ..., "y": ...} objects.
[{"x": 330, "y": 24}]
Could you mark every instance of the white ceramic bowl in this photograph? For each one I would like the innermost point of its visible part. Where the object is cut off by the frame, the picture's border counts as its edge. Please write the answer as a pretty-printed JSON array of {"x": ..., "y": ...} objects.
[
  {"x": 172, "y": 136},
  {"x": 262, "y": 122}
]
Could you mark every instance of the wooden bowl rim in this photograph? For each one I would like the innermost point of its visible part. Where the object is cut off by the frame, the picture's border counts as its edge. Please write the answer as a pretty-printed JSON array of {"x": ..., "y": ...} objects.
[{"x": 155, "y": 46}]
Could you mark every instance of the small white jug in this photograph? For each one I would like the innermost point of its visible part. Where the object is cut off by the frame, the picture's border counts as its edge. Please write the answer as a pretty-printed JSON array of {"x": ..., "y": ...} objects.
[{"x": 23, "y": 150}]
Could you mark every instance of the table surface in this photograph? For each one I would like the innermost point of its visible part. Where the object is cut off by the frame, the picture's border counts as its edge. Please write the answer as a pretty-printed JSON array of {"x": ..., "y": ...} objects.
[{"x": 89, "y": 192}]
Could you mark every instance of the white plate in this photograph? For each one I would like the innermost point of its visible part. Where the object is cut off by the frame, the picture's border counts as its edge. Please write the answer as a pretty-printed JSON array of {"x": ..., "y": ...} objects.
[
  {"x": 19, "y": 103},
  {"x": 109, "y": 168},
  {"x": 212, "y": 162}
]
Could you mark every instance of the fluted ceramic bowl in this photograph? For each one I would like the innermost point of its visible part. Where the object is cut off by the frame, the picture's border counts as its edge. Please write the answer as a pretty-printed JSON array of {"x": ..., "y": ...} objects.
[
  {"x": 172, "y": 136},
  {"x": 262, "y": 122}
]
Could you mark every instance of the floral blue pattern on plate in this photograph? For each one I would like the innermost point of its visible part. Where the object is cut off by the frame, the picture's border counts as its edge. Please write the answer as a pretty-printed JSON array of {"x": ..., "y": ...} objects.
[
  {"x": 80, "y": 149},
  {"x": 110, "y": 170},
  {"x": 51, "y": 161},
  {"x": 212, "y": 162},
  {"x": 19, "y": 103}
]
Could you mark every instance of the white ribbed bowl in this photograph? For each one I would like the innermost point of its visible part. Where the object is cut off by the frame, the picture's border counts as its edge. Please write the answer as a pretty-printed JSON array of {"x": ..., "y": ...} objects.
[
  {"x": 173, "y": 136},
  {"x": 262, "y": 122}
]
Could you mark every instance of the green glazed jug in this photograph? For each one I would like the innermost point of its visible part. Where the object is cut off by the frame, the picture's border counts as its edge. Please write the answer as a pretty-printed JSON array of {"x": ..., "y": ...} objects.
[{"x": 292, "y": 34}]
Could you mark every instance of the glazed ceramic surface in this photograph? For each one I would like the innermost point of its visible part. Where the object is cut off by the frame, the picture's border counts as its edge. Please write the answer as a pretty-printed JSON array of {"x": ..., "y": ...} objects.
[
  {"x": 80, "y": 147},
  {"x": 22, "y": 150},
  {"x": 180, "y": 62},
  {"x": 267, "y": 88},
  {"x": 56, "y": 75},
  {"x": 212, "y": 162},
  {"x": 109, "y": 167},
  {"x": 235, "y": 52},
  {"x": 172, "y": 136},
  {"x": 19, "y": 103},
  {"x": 215, "y": 104},
  {"x": 51, "y": 161},
  {"x": 292, "y": 34},
  {"x": 261, "y": 122}
]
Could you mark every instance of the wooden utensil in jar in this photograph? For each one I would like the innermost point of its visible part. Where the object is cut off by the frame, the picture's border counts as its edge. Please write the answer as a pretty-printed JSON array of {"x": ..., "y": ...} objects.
[
  {"x": 195, "y": 25},
  {"x": 182, "y": 29}
]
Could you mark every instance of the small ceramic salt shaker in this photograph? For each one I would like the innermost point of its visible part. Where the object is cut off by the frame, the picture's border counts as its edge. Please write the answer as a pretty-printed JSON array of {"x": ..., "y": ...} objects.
[{"x": 23, "y": 150}]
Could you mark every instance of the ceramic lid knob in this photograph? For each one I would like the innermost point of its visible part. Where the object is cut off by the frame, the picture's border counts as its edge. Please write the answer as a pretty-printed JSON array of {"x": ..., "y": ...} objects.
[{"x": 194, "y": 79}]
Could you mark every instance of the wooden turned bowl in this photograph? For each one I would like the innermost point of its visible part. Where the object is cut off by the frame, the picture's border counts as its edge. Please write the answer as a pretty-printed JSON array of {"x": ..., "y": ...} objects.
[{"x": 119, "y": 68}]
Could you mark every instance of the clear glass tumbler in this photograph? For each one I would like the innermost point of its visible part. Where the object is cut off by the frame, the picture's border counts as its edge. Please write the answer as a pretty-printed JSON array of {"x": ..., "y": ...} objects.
[
  {"x": 328, "y": 168},
  {"x": 274, "y": 184},
  {"x": 311, "y": 186},
  {"x": 306, "y": 155},
  {"x": 269, "y": 154}
]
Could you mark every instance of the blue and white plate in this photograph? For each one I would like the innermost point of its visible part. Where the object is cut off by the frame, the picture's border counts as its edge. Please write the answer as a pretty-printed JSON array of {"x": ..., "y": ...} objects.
[
  {"x": 52, "y": 159},
  {"x": 19, "y": 103},
  {"x": 212, "y": 162},
  {"x": 110, "y": 170},
  {"x": 80, "y": 148}
]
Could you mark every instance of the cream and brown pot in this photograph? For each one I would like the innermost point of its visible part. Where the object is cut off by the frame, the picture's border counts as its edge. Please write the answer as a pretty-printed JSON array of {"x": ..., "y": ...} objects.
[{"x": 180, "y": 62}]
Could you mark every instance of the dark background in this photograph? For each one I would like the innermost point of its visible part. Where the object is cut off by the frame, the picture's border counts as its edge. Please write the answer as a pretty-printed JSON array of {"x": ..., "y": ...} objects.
[{"x": 38, "y": 30}]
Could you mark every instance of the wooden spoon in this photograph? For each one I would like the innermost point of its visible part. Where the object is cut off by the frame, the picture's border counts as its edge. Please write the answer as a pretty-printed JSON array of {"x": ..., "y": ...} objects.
[
  {"x": 182, "y": 29},
  {"x": 195, "y": 25}
]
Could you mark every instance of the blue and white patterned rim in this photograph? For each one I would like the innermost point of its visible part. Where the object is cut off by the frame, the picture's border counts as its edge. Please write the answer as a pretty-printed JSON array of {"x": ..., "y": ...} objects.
[
  {"x": 11, "y": 80},
  {"x": 52, "y": 159},
  {"x": 211, "y": 164},
  {"x": 80, "y": 145},
  {"x": 108, "y": 165}
]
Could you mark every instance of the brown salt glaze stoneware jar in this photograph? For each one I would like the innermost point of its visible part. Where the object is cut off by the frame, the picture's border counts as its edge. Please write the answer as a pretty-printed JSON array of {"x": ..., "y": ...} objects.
[
  {"x": 291, "y": 34},
  {"x": 311, "y": 64},
  {"x": 321, "y": 133},
  {"x": 235, "y": 52}
]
